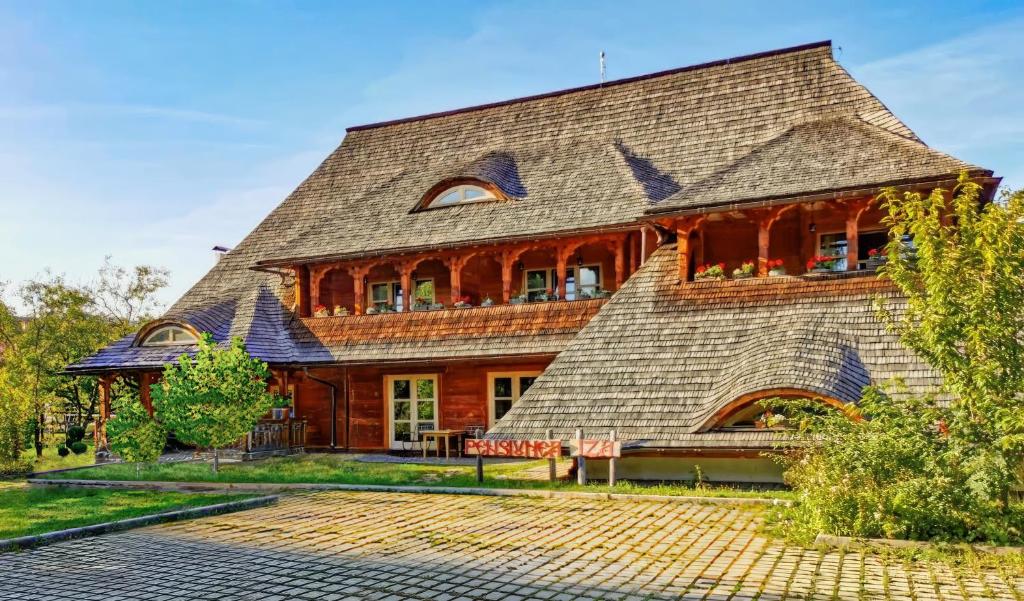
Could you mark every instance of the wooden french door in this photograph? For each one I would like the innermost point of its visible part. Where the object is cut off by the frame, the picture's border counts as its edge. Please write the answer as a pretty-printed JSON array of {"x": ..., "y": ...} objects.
[{"x": 412, "y": 408}]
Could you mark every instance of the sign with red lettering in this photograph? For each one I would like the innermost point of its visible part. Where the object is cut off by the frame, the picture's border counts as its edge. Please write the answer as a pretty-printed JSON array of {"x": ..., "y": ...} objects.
[
  {"x": 535, "y": 449},
  {"x": 595, "y": 449}
]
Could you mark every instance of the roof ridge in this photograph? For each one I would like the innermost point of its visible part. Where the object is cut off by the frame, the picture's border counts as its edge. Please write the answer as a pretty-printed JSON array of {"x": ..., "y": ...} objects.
[{"x": 596, "y": 86}]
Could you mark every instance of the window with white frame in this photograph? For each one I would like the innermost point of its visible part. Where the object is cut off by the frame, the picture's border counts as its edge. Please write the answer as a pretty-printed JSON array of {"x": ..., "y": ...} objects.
[
  {"x": 833, "y": 244},
  {"x": 504, "y": 390},
  {"x": 536, "y": 282},
  {"x": 384, "y": 294},
  {"x": 461, "y": 194},
  {"x": 168, "y": 335}
]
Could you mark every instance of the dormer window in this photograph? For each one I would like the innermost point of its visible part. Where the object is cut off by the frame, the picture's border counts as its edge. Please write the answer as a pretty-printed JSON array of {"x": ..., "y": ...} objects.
[
  {"x": 169, "y": 335},
  {"x": 459, "y": 191},
  {"x": 461, "y": 194}
]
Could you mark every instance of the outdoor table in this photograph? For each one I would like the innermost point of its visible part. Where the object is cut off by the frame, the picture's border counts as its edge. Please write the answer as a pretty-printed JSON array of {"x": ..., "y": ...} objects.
[{"x": 437, "y": 436}]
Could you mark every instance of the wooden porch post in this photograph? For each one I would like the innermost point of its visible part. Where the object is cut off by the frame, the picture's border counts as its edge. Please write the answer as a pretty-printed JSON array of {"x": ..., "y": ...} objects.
[
  {"x": 562, "y": 254},
  {"x": 316, "y": 276},
  {"x": 405, "y": 271},
  {"x": 684, "y": 227},
  {"x": 853, "y": 212},
  {"x": 620, "y": 262},
  {"x": 358, "y": 287},
  {"x": 100, "y": 429},
  {"x": 145, "y": 394},
  {"x": 302, "y": 296},
  {"x": 455, "y": 264},
  {"x": 634, "y": 252},
  {"x": 508, "y": 258}
]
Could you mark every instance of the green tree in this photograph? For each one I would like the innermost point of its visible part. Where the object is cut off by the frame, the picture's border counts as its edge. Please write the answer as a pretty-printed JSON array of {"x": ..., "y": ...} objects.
[
  {"x": 214, "y": 399},
  {"x": 135, "y": 435},
  {"x": 963, "y": 277}
]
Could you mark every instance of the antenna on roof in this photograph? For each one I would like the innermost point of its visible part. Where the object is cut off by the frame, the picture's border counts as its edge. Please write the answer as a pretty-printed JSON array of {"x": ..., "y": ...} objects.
[{"x": 602, "y": 66}]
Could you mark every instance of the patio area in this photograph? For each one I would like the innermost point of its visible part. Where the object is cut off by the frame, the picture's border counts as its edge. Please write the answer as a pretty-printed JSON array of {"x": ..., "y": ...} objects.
[{"x": 335, "y": 545}]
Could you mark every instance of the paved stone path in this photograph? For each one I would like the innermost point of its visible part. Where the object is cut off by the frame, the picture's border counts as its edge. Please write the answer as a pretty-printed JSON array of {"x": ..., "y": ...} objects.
[{"x": 336, "y": 545}]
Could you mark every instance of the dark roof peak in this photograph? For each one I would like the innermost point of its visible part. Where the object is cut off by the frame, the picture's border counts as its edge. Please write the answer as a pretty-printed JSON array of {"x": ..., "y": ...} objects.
[{"x": 595, "y": 86}]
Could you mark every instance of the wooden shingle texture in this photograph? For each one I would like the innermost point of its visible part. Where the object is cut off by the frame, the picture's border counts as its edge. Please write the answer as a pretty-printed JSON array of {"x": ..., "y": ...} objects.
[{"x": 662, "y": 357}]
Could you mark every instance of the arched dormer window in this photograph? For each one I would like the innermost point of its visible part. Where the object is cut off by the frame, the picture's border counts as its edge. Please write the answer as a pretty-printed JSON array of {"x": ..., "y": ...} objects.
[
  {"x": 461, "y": 194},
  {"x": 457, "y": 192},
  {"x": 169, "y": 335}
]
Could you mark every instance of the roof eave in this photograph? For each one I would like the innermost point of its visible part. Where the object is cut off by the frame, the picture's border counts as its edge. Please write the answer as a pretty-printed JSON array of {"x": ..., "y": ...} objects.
[
  {"x": 985, "y": 176},
  {"x": 406, "y": 250}
]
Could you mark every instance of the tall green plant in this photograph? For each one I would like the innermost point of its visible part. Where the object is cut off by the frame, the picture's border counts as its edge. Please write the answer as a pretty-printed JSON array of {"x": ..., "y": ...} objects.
[
  {"x": 213, "y": 400},
  {"x": 135, "y": 435},
  {"x": 963, "y": 280}
]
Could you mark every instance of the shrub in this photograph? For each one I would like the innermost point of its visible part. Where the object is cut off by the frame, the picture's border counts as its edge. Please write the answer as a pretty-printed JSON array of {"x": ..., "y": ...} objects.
[
  {"x": 75, "y": 434},
  {"x": 888, "y": 470},
  {"x": 15, "y": 468},
  {"x": 63, "y": 451},
  {"x": 78, "y": 447}
]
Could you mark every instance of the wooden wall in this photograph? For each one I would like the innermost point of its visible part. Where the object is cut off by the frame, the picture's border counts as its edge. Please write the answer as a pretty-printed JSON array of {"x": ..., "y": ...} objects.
[{"x": 462, "y": 401}]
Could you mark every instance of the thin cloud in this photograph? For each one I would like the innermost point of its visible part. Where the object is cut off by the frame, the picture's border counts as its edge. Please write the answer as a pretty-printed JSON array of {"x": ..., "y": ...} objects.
[{"x": 47, "y": 111}]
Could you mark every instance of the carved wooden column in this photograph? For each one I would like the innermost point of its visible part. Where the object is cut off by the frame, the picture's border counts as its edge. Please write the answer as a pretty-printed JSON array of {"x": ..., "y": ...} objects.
[
  {"x": 405, "y": 273},
  {"x": 562, "y": 255},
  {"x": 508, "y": 259},
  {"x": 145, "y": 394},
  {"x": 766, "y": 218},
  {"x": 619, "y": 248},
  {"x": 684, "y": 227},
  {"x": 302, "y": 296},
  {"x": 634, "y": 252},
  {"x": 455, "y": 264},
  {"x": 316, "y": 276},
  {"x": 359, "y": 274},
  {"x": 854, "y": 210}
]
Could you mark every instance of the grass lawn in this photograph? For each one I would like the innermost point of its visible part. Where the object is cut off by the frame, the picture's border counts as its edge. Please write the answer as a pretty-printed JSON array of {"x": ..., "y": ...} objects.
[
  {"x": 52, "y": 461},
  {"x": 26, "y": 509},
  {"x": 343, "y": 469}
]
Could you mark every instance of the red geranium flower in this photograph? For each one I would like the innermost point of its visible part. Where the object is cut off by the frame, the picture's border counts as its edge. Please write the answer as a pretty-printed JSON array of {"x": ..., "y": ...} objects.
[
  {"x": 721, "y": 265},
  {"x": 872, "y": 252}
]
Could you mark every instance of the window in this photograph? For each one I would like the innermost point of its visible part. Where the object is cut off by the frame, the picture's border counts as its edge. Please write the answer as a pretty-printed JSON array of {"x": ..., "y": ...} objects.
[
  {"x": 834, "y": 245},
  {"x": 382, "y": 294},
  {"x": 537, "y": 281},
  {"x": 168, "y": 335},
  {"x": 412, "y": 408},
  {"x": 465, "y": 193},
  {"x": 504, "y": 390}
]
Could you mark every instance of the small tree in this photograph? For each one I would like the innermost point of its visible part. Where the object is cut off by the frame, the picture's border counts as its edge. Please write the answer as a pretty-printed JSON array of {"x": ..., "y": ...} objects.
[
  {"x": 964, "y": 284},
  {"x": 135, "y": 435},
  {"x": 214, "y": 399}
]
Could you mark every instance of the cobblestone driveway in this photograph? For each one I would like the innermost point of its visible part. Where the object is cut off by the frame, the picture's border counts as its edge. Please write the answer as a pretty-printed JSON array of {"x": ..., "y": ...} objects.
[{"x": 336, "y": 545}]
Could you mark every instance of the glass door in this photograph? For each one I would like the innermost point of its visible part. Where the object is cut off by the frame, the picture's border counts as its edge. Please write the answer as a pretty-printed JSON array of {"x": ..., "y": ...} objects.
[{"x": 412, "y": 408}]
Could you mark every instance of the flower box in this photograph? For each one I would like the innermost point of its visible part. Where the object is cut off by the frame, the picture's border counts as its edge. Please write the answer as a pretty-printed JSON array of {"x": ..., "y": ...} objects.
[
  {"x": 710, "y": 272},
  {"x": 340, "y": 311},
  {"x": 321, "y": 311},
  {"x": 744, "y": 271},
  {"x": 822, "y": 264}
]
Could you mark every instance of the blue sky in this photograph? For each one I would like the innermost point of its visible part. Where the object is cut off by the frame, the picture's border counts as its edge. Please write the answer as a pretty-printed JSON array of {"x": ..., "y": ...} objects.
[{"x": 151, "y": 131}]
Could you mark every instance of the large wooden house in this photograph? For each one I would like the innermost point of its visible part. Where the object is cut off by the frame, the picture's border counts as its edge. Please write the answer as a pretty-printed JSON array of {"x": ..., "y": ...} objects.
[{"x": 529, "y": 265}]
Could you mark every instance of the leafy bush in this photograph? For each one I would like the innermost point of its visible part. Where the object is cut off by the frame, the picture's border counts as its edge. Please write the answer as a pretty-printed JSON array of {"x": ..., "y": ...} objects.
[
  {"x": 888, "y": 470},
  {"x": 135, "y": 435},
  {"x": 63, "y": 451},
  {"x": 15, "y": 468},
  {"x": 75, "y": 434},
  {"x": 78, "y": 447}
]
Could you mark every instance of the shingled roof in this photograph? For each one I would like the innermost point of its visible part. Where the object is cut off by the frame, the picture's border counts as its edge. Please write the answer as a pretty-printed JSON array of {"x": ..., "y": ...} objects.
[
  {"x": 661, "y": 359},
  {"x": 593, "y": 158}
]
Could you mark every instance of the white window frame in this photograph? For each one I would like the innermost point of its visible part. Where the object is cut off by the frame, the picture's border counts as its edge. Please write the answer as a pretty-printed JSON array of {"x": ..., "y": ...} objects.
[
  {"x": 461, "y": 190},
  {"x": 389, "y": 392},
  {"x": 552, "y": 275},
  {"x": 842, "y": 259},
  {"x": 189, "y": 337},
  {"x": 516, "y": 391},
  {"x": 394, "y": 287}
]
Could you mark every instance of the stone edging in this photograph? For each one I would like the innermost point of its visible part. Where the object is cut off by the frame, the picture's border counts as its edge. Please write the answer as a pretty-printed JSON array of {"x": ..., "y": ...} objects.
[
  {"x": 445, "y": 490},
  {"x": 850, "y": 542},
  {"x": 22, "y": 542}
]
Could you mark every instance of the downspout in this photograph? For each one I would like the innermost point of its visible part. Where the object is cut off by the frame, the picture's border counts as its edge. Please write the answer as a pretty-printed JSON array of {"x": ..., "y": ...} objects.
[{"x": 334, "y": 405}]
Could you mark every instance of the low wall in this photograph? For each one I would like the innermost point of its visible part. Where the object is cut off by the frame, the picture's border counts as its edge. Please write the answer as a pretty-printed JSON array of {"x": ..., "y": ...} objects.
[{"x": 715, "y": 469}]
